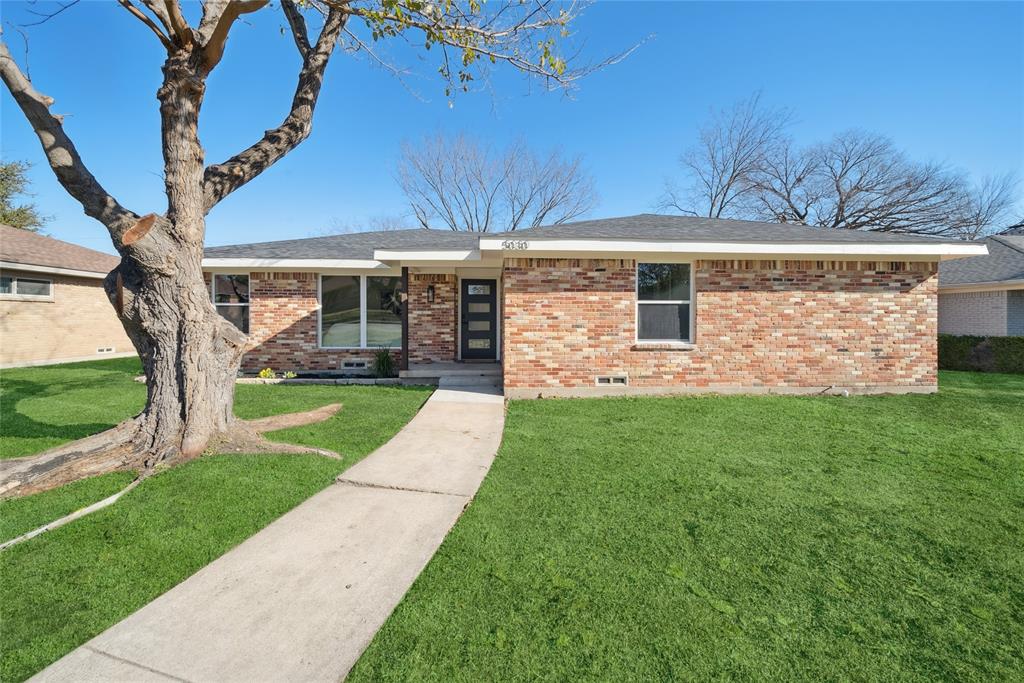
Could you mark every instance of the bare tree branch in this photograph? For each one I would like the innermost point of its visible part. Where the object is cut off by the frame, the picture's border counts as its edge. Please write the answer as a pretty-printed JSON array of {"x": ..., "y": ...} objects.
[
  {"x": 987, "y": 207},
  {"x": 218, "y": 17},
  {"x": 731, "y": 148},
  {"x": 298, "y": 26},
  {"x": 141, "y": 16},
  {"x": 220, "y": 180},
  {"x": 464, "y": 186},
  {"x": 60, "y": 152}
]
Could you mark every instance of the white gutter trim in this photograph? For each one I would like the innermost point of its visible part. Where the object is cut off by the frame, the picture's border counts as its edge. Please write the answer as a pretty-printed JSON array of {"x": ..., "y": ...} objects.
[
  {"x": 71, "y": 272},
  {"x": 996, "y": 285},
  {"x": 514, "y": 246},
  {"x": 431, "y": 255},
  {"x": 291, "y": 263}
]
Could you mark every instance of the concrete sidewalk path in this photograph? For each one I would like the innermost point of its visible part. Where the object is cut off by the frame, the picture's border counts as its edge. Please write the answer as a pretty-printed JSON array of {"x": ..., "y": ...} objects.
[{"x": 302, "y": 599}]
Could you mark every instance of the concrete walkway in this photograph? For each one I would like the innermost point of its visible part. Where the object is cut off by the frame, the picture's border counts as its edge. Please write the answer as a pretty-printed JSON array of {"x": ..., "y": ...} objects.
[{"x": 302, "y": 599}]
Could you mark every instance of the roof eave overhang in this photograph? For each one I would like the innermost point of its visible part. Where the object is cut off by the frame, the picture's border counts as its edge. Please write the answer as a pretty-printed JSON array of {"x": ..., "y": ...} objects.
[
  {"x": 428, "y": 257},
  {"x": 293, "y": 264},
  {"x": 549, "y": 247},
  {"x": 52, "y": 270},
  {"x": 996, "y": 285}
]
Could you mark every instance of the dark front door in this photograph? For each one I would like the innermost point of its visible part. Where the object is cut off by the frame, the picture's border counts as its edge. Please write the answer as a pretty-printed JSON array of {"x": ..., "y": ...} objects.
[{"x": 479, "y": 320}]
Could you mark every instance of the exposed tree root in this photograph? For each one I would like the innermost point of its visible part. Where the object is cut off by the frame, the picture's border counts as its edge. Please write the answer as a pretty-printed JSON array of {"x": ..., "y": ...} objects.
[
  {"x": 307, "y": 417},
  {"x": 107, "y": 451},
  {"x": 77, "y": 514},
  {"x": 118, "y": 449}
]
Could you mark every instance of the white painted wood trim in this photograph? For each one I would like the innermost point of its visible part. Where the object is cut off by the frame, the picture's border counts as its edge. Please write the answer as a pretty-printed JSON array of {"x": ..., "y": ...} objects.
[{"x": 29, "y": 268}]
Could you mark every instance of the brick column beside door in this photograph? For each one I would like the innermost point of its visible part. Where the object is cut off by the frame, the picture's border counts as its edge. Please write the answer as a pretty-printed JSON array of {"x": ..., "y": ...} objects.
[{"x": 432, "y": 324}]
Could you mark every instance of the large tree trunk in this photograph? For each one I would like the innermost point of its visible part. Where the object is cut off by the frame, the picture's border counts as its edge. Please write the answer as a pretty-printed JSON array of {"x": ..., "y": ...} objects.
[{"x": 190, "y": 356}]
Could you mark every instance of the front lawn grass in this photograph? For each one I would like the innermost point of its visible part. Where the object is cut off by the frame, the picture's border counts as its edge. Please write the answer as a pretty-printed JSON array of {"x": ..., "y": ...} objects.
[
  {"x": 751, "y": 538},
  {"x": 62, "y": 588},
  {"x": 46, "y": 406}
]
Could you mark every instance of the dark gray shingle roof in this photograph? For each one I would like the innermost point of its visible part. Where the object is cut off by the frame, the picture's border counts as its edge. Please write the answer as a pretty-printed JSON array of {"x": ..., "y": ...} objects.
[
  {"x": 356, "y": 245},
  {"x": 651, "y": 226},
  {"x": 1004, "y": 261},
  {"x": 360, "y": 245}
]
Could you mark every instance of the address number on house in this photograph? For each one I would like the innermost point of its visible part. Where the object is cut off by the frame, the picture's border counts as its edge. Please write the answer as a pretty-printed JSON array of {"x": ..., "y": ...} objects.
[{"x": 515, "y": 245}]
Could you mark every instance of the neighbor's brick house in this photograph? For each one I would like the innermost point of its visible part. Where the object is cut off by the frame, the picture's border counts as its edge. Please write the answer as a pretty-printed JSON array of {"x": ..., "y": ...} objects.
[
  {"x": 52, "y": 305},
  {"x": 647, "y": 304}
]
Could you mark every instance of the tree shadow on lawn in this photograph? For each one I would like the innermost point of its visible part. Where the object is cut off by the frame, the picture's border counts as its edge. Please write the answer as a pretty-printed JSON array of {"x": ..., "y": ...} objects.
[{"x": 17, "y": 424}]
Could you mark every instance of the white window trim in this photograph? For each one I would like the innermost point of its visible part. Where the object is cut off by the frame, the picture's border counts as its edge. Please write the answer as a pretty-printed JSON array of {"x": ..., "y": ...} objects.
[
  {"x": 362, "y": 314},
  {"x": 14, "y": 295},
  {"x": 213, "y": 296},
  {"x": 681, "y": 343}
]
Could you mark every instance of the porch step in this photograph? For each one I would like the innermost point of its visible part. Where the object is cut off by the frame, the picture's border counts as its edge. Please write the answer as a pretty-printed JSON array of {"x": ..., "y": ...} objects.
[
  {"x": 487, "y": 382},
  {"x": 451, "y": 370}
]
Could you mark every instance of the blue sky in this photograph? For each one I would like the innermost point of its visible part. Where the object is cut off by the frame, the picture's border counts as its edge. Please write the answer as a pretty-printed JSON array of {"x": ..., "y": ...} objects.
[{"x": 944, "y": 80}]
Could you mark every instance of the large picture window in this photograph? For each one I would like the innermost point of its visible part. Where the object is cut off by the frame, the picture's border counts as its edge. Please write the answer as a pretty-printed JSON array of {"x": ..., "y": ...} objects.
[
  {"x": 231, "y": 298},
  {"x": 360, "y": 311},
  {"x": 663, "y": 302}
]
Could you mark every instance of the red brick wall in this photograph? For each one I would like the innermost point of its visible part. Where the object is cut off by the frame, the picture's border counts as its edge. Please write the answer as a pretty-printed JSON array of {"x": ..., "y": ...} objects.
[
  {"x": 283, "y": 326},
  {"x": 759, "y": 325},
  {"x": 432, "y": 325}
]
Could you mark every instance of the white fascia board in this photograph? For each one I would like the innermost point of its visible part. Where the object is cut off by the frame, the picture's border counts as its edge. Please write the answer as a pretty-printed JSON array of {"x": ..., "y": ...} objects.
[
  {"x": 996, "y": 286},
  {"x": 427, "y": 256},
  {"x": 71, "y": 272},
  {"x": 293, "y": 264},
  {"x": 514, "y": 247}
]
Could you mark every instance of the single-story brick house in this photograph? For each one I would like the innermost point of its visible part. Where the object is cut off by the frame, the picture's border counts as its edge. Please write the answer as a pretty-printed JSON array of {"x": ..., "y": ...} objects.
[
  {"x": 52, "y": 305},
  {"x": 642, "y": 304},
  {"x": 984, "y": 295}
]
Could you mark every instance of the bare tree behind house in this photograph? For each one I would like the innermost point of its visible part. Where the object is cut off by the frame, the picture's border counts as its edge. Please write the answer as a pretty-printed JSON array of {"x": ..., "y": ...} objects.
[
  {"x": 731, "y": 147},
  {"x": 744, "y": 166},
  {"x": 190, "y": 355},
  {"x": 987, "y": 207},
  {"x": 460, "y": 184}
]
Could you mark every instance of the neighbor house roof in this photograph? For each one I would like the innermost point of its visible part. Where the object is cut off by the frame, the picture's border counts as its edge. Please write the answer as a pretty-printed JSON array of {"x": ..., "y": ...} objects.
[
  {"x": 642, "y": 233},
  {"x": 1003, "y": 266},
  {"x": 30, "y": 251}
]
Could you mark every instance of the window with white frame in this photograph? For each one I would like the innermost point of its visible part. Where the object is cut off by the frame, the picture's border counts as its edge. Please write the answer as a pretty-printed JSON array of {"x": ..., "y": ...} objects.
[
  {"x": 231, "y": 298},
  {"x": 360, "y": 311},
  {"x": 25, "y": 287},
  {"x": 663, "y": 292}
]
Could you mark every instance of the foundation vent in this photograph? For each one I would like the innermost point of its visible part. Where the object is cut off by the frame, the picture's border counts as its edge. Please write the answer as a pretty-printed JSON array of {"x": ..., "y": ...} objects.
[
  {"x": 612, "y": 380},
  {"x": 105, "y": 349},
  {"x": 354, "y": 365}
]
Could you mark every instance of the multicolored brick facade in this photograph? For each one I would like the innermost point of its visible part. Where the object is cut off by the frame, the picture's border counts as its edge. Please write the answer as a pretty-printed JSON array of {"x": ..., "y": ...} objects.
[
  {"x": 432, "y": 323},
  {"x": 759, "y": 326},
  {"x": 283, "y": 326}
]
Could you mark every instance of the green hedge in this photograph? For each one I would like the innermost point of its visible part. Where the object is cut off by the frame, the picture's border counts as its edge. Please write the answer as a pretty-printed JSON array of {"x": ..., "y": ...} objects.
[{"x": 981, "y": 354}]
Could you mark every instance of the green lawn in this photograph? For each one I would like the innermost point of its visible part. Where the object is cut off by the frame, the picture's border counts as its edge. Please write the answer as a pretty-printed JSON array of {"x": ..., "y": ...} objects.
[
  {"x": 60, "y": 589},
  {"x": 752, "y": 538}
]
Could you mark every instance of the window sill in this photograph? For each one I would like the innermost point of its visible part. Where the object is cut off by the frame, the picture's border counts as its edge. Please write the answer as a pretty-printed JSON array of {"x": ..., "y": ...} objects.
[
  {"x": 26, "y": 297},
  {"x": 663, "y": 346}
]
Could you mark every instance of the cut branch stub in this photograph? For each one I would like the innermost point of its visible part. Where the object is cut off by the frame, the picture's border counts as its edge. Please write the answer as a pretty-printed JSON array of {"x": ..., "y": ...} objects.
[{"x": 139, "y": 230}]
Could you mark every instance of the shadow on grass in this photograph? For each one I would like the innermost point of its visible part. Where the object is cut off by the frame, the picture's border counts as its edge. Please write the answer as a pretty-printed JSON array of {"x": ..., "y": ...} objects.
[{"x": 18, "y": 424}]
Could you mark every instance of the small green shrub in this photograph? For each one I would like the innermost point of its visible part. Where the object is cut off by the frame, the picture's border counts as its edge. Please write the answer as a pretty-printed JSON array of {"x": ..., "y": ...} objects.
[
  {"x": 383, "y": 362},
  {"x": 981, "y": 354},
  {"x": 266, "y": 373},
  {"x": 290, "y": 375}
]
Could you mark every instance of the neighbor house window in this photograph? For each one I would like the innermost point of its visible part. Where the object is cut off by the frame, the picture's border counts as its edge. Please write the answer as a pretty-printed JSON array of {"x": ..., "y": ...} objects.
[
  {"x": 231, "y": 297},
  {"x": 360, "y": 311},
  {"x": 663, "y": 302},
  {"x": 26, "y": 287}
]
